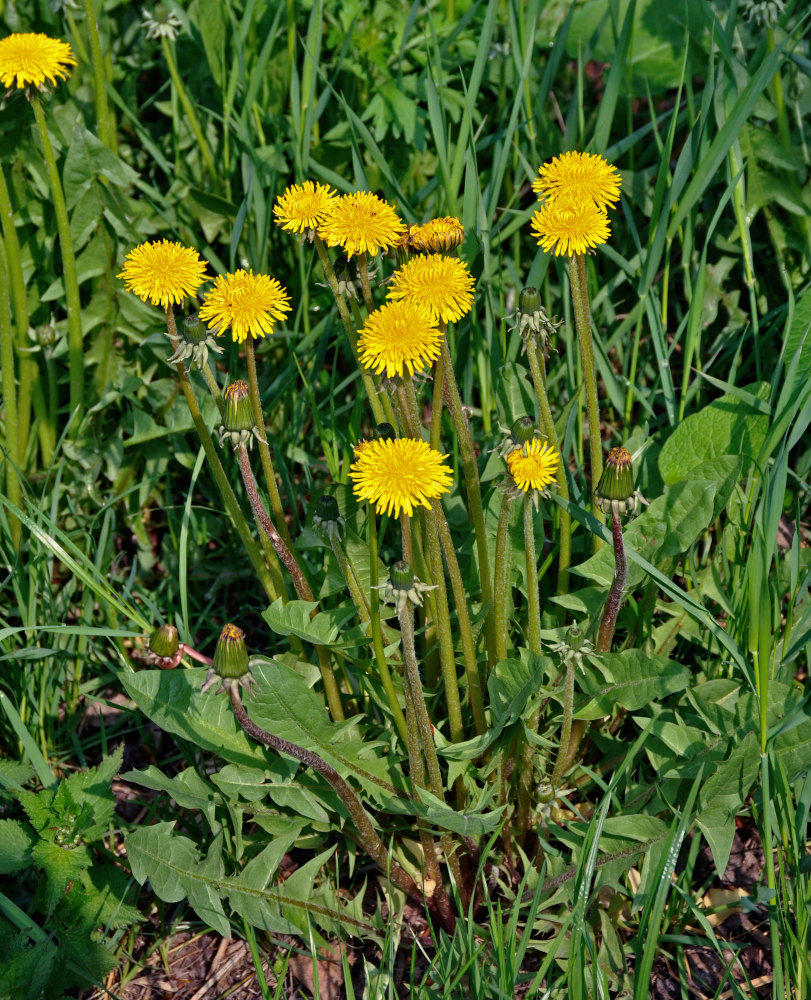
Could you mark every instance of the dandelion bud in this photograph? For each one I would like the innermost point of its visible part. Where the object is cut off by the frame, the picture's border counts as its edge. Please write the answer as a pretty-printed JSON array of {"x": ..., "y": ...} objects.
[
  {"x": 533, "y": 322},
  {"x": 437, "y": 236},
  {"x": 523, "y": 430},
  {"x": 164, "y": 641},
  {"x": 231, "y": 654},
  {"x": 385, "y": 432},
  {"x": 238, "y": 421},
  {"x": 615, "y": 492},
  {"x": 402, "y": 586},
  {"x": 347, "y": 276},
  {"x": 194, "y": 342},
  {"x": 327, "y": 520}
]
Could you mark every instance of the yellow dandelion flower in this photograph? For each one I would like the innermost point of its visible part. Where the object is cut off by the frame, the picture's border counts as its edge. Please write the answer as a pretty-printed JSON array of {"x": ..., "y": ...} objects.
[
  {"x": 163, "y": 273},
  {"x": 398, "y": 473},
  {"x": 399, "y": 336},
  {"x": 567, "y": 226},
  {"x": 533, "y": 465},
  {"x": 361, "y": 223},
  {"x": 579, "y": 175},
  {"x": 34, "y": 59},
  {"x": 437, "y": 236},
  {"x": 442, "y": 284},
  {"x": 303, "y": 207},
  {"x": 251, "y": 304}
]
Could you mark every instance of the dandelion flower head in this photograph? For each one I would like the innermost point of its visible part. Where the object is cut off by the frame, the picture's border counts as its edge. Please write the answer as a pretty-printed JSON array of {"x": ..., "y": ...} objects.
[
  {"x": 397, "y": 474},
  {"x": 302, "y": 208},
  {"x": 533, "y": 465},
  {"x": 442, "y": 284},
  {"x": 163, "y": 273},
  {"x": 579, "y": 175},
  {"x": 399, "y": 336},
  {"x": 361, "y": 223},
  {"x": 30, "y": 58},
  {"x": 251, "y": 304},
  {"x": 437, "y": 236},
  {"x": 569, "y": 226}
]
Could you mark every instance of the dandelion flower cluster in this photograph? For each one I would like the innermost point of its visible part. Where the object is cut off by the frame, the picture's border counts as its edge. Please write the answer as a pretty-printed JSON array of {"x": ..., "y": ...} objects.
[
  {"x": 442, "y": 284},
  {"x": 576, "y": 189},
  {"x": 29, "y": 58},
  {"x": 302, "y": 208},
  {"x": 533, "y": 465},
  {"x": 163, "y": 273},
  {"x": 361, "y": 223},
  {"x": 399, "y": 337},
  {"x": 251, "y": 304},
  {"x": 397, "y": 474}
]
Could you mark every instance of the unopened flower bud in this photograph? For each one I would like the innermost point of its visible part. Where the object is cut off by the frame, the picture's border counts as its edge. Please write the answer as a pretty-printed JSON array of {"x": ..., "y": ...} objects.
[
  {"x": 194, "y": 342},
  {"x": 238, "y": 419},
  {"x": 164, "y": 642},
  {"x": 386, "y": 432},
  {"x": 615, "y": 491},
  {"x": 231, "y": 654},
  {"x": 327, "y": 520},
  {"x": 533, "y": 322},
  {"x": 402, "y": 586}
]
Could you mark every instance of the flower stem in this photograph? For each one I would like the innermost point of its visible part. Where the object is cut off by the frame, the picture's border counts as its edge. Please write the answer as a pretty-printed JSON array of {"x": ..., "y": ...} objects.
[
  {"x": 228, "y": 495},
  {"x": 27, "y": 367},
  {"x": 264, "y": 448},
  {"x": 612, "y": 605},
  {"x": 538, "y": 368},
  {"x": 9, "y": 399},
  {"x": 424, "y": 732},
  {"x": 351, "y": 332},
  {"x": 291, "y": 564},
  {"x": 580, "y": 302},
  {"x": 474, "y": 688},
  {"x": 474, "y": 496},
  {"x": 213, "y": 387},
  {"x": 74, "y": 308},
  {"x": 500, "y": 589},
  {"x": 438, "y": 600},
  {"x": 367, "y": 834},
  {"x": 377, "y": 633},
  {"x": 104, "y": 128},
  {"x": 436, "y": 404},
  {"x": 566, "y": 725},
  {"x": 533, "y": 599},
  {"x": 349, "y": 575}
]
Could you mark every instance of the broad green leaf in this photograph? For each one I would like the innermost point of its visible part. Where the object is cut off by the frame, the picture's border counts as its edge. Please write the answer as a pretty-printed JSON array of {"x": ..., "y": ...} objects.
[
  {"x": 723, "y": 794},
  {"x": 671, "y": 524},
  {"x": 658, "y": 42},
  {"x": 249, "y": 895},
  {"x": 638, "y": 679},
  {"x": 799, "y": 334},
  {"x": 16, "y": 841},
  {"x": 728, "y": 426},
  {"x": 175, "y": 871},
  {"x": 285, "y": 705},
  {"x": 239, "y": 782},
  {"x": 171, "y": 699},
  {"x": 61, "y": 866},
  {"x": 187, "y": 789},
  {"x": 793, "y": 749},
  {"x": 294, "y": 618},
  {"x": 473, "y": 822},
  {"x": 88, "y": 158},
  {"x": 510, "y": 688}
]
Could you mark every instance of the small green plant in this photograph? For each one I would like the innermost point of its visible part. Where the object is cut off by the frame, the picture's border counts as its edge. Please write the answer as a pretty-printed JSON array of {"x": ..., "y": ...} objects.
[{"x": 60, "y": 911}]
